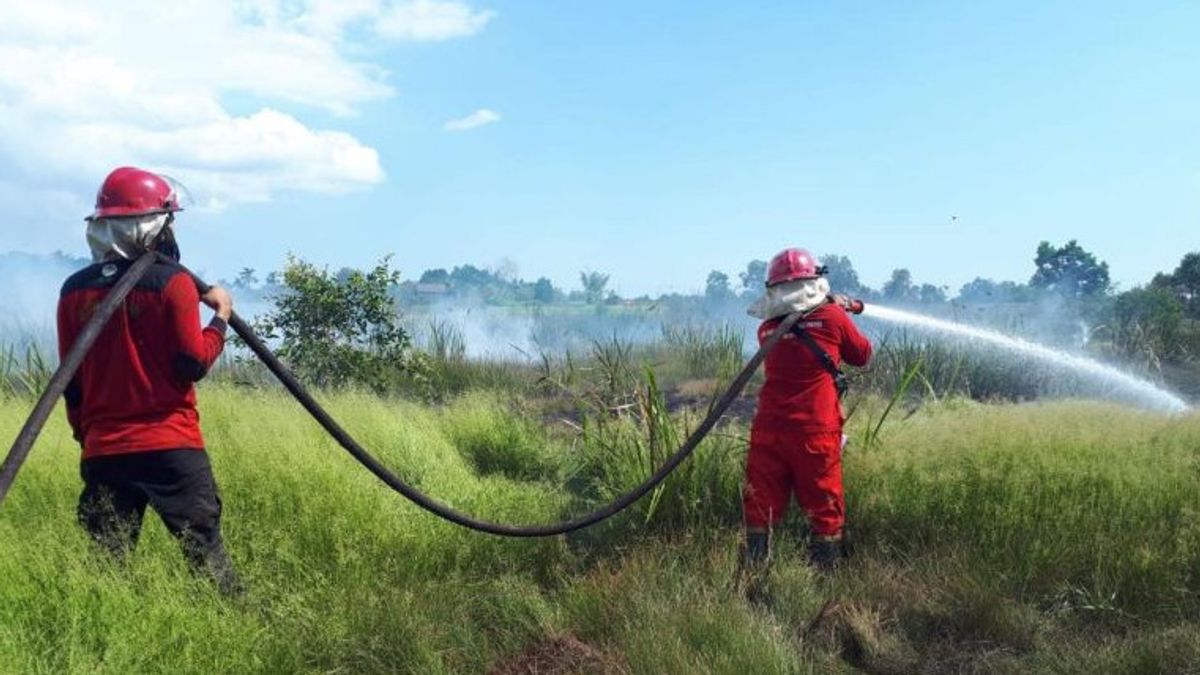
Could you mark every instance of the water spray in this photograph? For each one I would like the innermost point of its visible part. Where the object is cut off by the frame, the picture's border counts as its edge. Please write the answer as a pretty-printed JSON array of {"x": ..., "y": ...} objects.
[{"x": 1147, "y": 393}]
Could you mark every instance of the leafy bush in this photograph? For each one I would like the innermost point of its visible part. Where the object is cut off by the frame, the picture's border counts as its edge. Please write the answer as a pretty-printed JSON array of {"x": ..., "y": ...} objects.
[{"x": 341, "y": 330}]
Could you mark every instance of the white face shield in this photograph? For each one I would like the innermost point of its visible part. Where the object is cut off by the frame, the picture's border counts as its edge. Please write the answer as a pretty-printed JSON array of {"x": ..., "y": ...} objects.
[
  {"x": 116, "y": 238},
  {"x": 800, "y": 295}
]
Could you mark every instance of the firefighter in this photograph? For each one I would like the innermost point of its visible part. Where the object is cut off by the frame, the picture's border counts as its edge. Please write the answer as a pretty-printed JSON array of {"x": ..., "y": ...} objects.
[
  {"x": 132, "y": 404},
  {"x": 796, "y": 436}
]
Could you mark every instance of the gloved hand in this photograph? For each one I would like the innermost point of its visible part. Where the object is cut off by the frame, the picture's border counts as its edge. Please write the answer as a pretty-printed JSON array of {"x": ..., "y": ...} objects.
[
  {"x": 847, "y": 303},
  {"x": 219, "y": 300},
  {"x": 841, "y": 300}
]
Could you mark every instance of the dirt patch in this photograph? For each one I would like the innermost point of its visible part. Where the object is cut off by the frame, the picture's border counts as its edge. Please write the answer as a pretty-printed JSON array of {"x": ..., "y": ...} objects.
[
  {"x": 860, "y": 636},
  {"x": 883, "y": 640},
  {"x": 741, "y": 410},
  {"x": 698, "y": 389},
  {"x": 563, "y": 655}
]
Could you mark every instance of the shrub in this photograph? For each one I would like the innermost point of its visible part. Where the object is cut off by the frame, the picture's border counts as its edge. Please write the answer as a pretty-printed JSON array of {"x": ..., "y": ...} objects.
[{"x": 341, "y": 330}]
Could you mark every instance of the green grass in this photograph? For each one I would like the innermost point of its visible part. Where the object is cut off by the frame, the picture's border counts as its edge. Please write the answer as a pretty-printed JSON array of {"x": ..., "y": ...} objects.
[
  {"x": 705, "y": 351},
  {"x": 25, "y": 369},
  {"x": 1059, "y": 537}
]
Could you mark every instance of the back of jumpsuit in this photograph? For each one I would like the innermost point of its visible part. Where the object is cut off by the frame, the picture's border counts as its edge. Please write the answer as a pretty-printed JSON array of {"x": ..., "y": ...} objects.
[{"x": 796, "y": 436}]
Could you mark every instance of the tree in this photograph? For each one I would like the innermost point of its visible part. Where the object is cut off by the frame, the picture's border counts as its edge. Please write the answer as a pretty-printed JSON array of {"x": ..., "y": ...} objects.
[
  {"x": 340, "y": 331},
  {"x": 980, "y": 290},
  {"x": 841, "y": 275},
  {"x": 1187, "y": 280},
  {"x": 984, "y": 291},
  {"x": 594, "y": 286},
  {"x": 754, "y": 278},
  {"x": 245, "y": 278},
  {"x": 544, "y": 291},
  {"x": 1146, "y": 323},
  {"x": 900, "y": 287},
  {"x": 931, "y": 295},
  {"x": 1184, "y": 283},
  {"x": 470, "y": 276},
  {"x": 1069, "y": 271},
  {"x": 435, "y": 276},
  {"x": 716, "y": 287}
]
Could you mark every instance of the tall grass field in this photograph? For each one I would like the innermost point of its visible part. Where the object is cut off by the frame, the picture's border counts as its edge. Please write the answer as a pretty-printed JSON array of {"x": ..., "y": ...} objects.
[{"x": 1008, "y": 538}]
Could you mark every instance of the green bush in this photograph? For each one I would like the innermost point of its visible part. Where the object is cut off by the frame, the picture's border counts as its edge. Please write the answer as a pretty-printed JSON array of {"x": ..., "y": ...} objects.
[{"x": 339, "y": 330}]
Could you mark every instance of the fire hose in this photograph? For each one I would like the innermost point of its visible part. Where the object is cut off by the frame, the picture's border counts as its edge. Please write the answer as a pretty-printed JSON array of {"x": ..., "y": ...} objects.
[{"x": 115, "y": 297}]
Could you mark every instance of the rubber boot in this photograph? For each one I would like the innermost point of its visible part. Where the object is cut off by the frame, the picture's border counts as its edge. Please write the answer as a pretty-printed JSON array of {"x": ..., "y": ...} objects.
[
  {"x": 758, "y": 548},
  {"x": 754, "y": 567},
  {"x": 826, "y": 551},
  {"x": 210, "y": 559},
  {"x": 223, "y": 574}
]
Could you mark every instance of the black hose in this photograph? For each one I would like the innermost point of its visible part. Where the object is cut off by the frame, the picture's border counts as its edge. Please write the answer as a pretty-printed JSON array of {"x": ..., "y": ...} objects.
[
  {"x": 298, "y": 391},
  {"x": 459, "y": 518},
  {"x": 66, "y": 370}
]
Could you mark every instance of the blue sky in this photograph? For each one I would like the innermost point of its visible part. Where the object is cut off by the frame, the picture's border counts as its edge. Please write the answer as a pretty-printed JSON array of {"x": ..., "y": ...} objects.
[{"x": 656, "y": 142}]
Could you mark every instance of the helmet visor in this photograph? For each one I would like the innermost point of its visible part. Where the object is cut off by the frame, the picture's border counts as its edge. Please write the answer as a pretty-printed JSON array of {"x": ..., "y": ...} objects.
[{"x": 181, "y": 196}]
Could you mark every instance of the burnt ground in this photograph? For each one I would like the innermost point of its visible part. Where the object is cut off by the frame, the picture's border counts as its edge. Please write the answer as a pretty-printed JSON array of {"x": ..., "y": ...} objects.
[
  {"x": 695, "y": 395},
  {"x": 562, "y": 655},
  {"x": 742, "y": 409}
]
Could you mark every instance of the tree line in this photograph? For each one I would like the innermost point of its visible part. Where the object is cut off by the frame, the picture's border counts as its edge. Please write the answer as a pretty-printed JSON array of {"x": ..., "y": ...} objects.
[{"x": 1155, "y": 324}]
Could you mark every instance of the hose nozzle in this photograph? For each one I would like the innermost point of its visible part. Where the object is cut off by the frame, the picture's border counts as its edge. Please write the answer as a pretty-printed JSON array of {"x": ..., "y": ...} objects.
[{"x": 852, "y": 305}]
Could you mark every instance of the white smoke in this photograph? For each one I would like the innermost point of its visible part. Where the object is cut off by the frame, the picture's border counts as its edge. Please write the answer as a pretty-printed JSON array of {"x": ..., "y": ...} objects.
[
  {"x": 29, "y": 301},
  {"x": 493, "y": 333}
]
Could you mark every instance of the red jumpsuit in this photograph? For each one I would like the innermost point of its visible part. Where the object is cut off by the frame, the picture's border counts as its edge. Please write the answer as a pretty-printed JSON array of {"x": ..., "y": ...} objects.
[
  {"x": 796, "y": 437},
  {"x": 134, "y": 392}
]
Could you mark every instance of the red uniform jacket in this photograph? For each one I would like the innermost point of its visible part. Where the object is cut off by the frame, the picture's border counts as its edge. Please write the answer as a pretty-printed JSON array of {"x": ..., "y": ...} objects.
[
  {"x": 134, "y": 391},
  {"x": 799, "y": 393}
]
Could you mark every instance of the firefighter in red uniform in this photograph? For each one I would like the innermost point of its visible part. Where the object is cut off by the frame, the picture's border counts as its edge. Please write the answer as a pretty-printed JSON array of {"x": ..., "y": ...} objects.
[
  {"x": 132, "y": 405},
  {"x": 796, "y": 436}
]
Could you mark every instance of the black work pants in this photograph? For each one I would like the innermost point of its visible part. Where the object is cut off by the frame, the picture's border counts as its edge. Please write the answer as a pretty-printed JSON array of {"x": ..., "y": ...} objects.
[{"x": 179, "y": 485}]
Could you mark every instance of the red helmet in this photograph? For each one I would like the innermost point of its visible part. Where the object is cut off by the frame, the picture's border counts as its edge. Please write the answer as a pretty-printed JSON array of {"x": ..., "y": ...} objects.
[
  {"x": 133, "y": 192},
  {"x": 792, "y": 264}
]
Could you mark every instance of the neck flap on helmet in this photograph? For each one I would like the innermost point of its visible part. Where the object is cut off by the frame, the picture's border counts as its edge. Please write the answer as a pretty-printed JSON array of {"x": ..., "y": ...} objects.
[
  {"x": 128, "y": 237},
  {"x": 801, "y": 295}
]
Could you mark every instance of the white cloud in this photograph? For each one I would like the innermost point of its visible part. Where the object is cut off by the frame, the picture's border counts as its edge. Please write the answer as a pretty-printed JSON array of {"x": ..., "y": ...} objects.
[
  {"x": 236, "y": 159},
  {"x": 477, "y": 119},
  {"x": 430, "y": 20},
  {"x": 84, "y": 88},
  {"x": 412, "y": 20}
]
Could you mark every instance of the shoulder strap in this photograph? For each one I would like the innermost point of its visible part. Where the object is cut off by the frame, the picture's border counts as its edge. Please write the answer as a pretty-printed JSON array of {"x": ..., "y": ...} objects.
[{"x": 823, "y": 356}]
